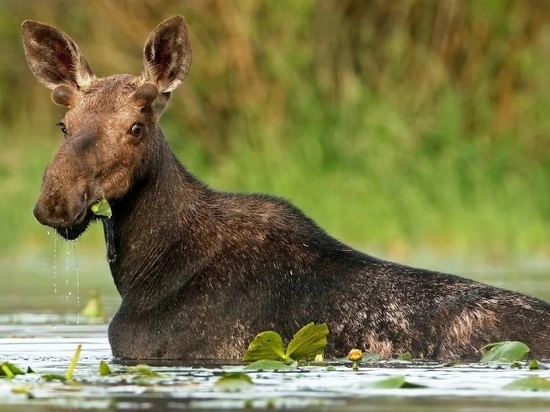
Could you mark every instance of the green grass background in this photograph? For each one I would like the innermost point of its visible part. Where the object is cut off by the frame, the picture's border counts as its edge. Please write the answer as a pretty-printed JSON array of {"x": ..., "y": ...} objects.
[{"x": 401, "y": 127}]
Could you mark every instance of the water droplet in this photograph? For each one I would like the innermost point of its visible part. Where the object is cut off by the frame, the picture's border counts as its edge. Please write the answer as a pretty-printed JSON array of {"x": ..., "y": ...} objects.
[
  {"x": 77, "y": 284},
  {"x": 54, "y": 263}
]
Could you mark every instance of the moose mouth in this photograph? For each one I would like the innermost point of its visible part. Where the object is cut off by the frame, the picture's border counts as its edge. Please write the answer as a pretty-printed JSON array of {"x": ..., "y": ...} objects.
[
  {"x": 69, "y": 228},
  {"x": 74, "y": 232}
]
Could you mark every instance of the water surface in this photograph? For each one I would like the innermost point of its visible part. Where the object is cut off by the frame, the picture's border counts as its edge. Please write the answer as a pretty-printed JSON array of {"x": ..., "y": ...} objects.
[{"x": 41, "y": 325}]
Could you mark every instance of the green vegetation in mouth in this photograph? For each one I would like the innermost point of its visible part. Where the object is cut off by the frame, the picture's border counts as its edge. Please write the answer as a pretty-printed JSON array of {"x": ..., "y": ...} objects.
[{"x": 102, "y": 208}]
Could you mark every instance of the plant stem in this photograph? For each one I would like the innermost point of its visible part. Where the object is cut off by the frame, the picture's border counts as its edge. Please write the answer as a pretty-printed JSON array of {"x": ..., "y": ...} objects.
[
  {"x": 7, "y": 371},
  {"x": 69, "y": 374}
]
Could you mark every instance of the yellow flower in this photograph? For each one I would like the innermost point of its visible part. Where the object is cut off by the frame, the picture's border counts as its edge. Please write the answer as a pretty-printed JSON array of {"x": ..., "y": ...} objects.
[{"x": 355, "y": 355}]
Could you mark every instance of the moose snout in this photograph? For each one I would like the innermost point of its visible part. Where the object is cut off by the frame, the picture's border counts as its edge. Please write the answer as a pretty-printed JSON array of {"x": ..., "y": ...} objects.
[
  {"x": 64, "y": 197},
  {"x": 57, "y": 211},
  {"x": 68, "y": 187},
  {"x": 41, "y": 214}
]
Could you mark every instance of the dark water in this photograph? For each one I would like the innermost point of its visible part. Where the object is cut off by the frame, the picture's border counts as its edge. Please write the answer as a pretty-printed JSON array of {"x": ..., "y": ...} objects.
[{"x": 41, "y": 326}]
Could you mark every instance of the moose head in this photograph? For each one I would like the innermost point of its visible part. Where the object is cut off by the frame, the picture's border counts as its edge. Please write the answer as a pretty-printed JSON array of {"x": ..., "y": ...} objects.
[{"x": 111, "y": 127}]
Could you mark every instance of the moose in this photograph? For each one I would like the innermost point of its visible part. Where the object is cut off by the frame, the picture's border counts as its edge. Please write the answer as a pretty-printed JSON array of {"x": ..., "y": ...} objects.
[{"x": 200, "y": 271}]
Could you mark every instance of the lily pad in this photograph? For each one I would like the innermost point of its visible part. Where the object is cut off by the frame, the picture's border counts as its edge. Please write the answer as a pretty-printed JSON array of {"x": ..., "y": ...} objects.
[
  {"x": 535, "y": 364},
  {"x": 104, "y": 369},
  {"x": 102, "y": 208},
  {"x": 394, "y": 382},
  {"x": 49, "y": 377},
  {"x": 371, "y": 357},
  {"x": 405, "y": 356},
  {"x": 270, "y": 365},
  {"x": 10, "y": 370},
  {"x": 507, "y": 351},
  {"x": 234, "y": 382},
  {"x": 144, "y": 371},
  {"x": 308, "y": 342},
  {"x": 266, "y": 345},
  {"x": 530, "y": 383}
]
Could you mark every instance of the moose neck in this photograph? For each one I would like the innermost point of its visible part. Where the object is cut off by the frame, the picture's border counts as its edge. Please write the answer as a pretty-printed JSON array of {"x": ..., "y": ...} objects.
[{"x": 148, "y": 226}]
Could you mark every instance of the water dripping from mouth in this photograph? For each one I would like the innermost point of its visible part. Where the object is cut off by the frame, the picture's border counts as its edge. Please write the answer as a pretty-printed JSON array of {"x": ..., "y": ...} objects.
[
  {"x": 54, "y": 264},
  {"x": 109, "y": 239},
  {"x": 67, "y": 285},
  {"x": 67, "y": 268},
  {"x": 54, "y": 267},
  {"x": 77, "y": 283}
]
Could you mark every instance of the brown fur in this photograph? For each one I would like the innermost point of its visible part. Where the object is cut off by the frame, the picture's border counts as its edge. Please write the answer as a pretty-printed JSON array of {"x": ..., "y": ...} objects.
[{"x": 200, "y": 272}]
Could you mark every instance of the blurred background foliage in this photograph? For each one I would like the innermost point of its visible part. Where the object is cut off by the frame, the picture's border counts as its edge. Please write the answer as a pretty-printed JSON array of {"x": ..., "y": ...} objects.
[{"x": 399, "y": 126}]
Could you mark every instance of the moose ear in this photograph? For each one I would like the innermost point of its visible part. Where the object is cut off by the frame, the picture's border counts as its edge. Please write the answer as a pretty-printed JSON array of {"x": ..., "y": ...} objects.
[
  {"x": 54, "y": 57},
  {"x": 167, "y": 54}
]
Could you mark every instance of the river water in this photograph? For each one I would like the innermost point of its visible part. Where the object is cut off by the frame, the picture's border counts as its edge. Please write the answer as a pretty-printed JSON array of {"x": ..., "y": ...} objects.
[{"x": 41, "y": 326}]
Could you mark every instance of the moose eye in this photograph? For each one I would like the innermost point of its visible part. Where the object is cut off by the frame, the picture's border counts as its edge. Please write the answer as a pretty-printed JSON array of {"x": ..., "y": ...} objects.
[
  {"x": 137, "y": 129},
  {"x": 63, "y": 128}
]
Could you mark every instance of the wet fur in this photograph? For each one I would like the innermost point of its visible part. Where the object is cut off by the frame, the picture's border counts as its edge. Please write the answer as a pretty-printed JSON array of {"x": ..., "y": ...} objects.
[{"x": 201, "y": 272}]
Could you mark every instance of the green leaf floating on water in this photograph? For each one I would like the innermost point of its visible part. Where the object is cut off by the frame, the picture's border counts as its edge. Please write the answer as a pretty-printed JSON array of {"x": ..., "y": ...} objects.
[
  {"x": 535, "y": 364},
  {"x": 393, "y": 382},
  {"x": 307, "y": 343},
  {"x": 270, "y": 365},
  {"x": 530, "y": 383},
  {"x": 102, "y": 208},
  {"x": 104, "y": 369},
  {"x": 144, "y": 371},
  {"x": 405, "y": 356},
  {"x": 9, "y": 370},
  {"x": 507, "y": 351},
  {"x": 50, "y": 377},
  {"x": 234, "y": 382},
  {"x": 371, "y": 357}
]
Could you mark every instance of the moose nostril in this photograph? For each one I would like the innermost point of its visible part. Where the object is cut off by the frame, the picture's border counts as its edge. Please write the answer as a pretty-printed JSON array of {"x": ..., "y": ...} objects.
[
  {"x": 38, "y": 213},
  {"x": 43, "y": 215}
]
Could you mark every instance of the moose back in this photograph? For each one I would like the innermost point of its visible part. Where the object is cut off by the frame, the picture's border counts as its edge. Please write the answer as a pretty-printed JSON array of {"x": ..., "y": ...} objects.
[{"x": 201, "y": 272}]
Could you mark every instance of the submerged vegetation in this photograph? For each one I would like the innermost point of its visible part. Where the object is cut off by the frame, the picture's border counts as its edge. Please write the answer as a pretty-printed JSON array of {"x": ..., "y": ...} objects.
[{"x": 396, "y": 125}]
